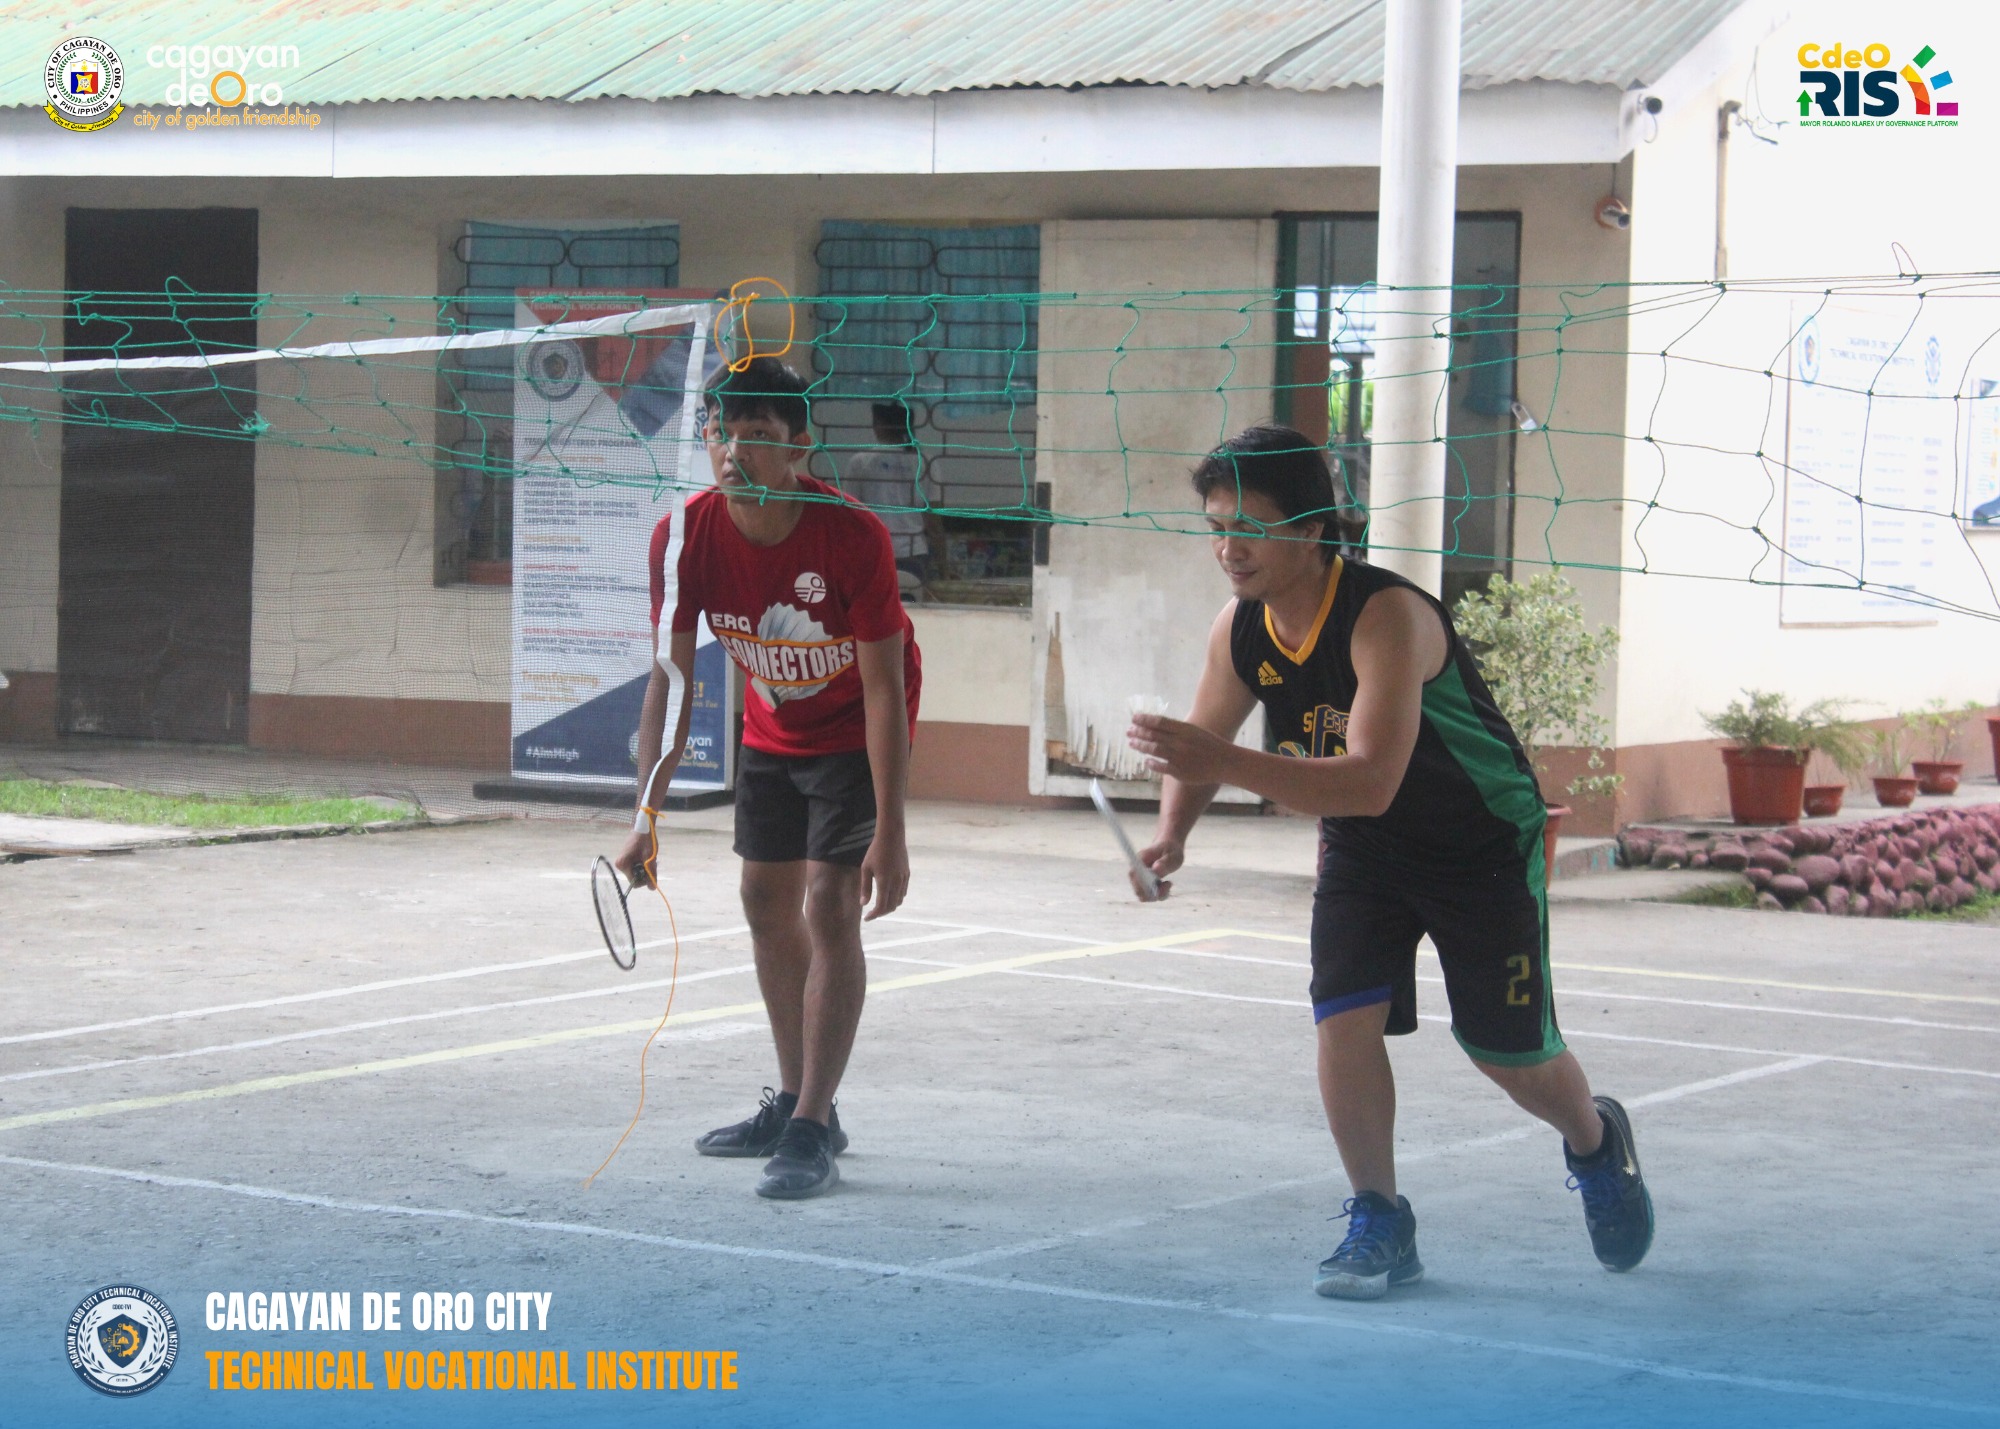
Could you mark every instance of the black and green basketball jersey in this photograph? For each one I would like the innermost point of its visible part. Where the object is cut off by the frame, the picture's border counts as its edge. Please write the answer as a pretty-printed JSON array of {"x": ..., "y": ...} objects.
[{"x": 1468, "y": 801}]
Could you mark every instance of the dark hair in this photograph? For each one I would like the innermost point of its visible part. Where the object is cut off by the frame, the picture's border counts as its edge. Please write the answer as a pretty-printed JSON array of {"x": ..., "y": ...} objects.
[
  {"x": 894, "y": 418},
  {"x": 765, "y": 387},
  {"x": 1280, "y": 463}
]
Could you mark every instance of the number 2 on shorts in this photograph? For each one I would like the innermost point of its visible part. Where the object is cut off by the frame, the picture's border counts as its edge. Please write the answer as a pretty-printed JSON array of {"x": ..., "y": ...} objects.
[{"x": 1517, "y": 996}]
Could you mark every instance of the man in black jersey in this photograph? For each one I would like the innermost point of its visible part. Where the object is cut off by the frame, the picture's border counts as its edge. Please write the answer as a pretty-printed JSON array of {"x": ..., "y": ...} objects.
[{"x": 1431, "y": 822}]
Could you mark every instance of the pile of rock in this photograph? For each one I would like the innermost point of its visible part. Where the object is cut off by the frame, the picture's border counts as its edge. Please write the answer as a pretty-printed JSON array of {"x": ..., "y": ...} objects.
[{"x": 1933, "y": 859}]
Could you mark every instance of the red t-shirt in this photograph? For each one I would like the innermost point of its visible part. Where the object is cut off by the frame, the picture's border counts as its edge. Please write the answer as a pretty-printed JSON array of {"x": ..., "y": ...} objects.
[{"x": 791, "y": 614}]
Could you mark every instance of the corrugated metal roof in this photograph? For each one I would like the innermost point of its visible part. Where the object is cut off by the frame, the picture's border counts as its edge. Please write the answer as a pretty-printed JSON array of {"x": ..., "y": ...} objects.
[{"x": 352, "y": 51}]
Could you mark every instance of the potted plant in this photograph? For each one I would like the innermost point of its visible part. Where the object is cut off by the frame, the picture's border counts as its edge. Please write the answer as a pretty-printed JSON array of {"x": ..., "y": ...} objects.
[
  {"x": 1893, "y": 788},
  {"x": 1837, "y": 752},
  {"x": 1541, "y": 662},
  {"x": 1936, "y": 726},
  {"x": 1766, "y": 760},
  {"x": 1993, "y": 733}
]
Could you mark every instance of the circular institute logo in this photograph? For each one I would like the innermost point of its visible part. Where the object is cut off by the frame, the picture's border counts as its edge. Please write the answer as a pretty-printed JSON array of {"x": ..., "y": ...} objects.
[
  {"x": 810, "y": 587},
  {"x": 122, "y": 1340},
  {"x": 555, "y": 369},
  {"x": 83, "y": 79}
]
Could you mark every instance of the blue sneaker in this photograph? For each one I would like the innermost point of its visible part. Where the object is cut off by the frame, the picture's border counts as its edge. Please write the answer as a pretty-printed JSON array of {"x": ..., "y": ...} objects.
[
  {"x": 1380, "y": 1250},
  {"x": 1616, "y": 1205}
]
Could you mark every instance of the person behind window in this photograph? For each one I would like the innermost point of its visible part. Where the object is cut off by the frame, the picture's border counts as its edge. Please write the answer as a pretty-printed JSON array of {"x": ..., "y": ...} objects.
[{"x": 888, "y": 479}]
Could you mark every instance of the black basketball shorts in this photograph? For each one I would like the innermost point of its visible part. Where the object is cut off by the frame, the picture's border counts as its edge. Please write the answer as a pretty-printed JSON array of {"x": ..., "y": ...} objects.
[
  {"x": 1491, "y": 929},
  {"x": 816, "y": 806}
]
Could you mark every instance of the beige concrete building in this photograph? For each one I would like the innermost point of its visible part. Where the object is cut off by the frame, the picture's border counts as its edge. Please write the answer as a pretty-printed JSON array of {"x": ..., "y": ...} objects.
[{"x": 1210, "y": 196}]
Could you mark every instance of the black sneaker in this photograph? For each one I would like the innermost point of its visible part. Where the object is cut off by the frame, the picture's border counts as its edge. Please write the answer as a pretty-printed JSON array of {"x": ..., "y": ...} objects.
[
  {"x": 759, "y": 1135},
  {"x": 756, "y": 1137},
  {"x": 1380, "y": 1250},
  {"x": 803, "y": 1164},
  {"x": 1616, "y": 1205}
]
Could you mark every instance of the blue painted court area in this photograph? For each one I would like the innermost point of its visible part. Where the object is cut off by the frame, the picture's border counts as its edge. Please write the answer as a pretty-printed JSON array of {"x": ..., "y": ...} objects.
[{"x": 1089, "y": 1177}]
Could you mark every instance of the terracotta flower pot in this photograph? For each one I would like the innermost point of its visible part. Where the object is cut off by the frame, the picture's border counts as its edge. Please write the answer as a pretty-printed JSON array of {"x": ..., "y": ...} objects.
[
  {"x": 1822, "y": 801},
  {"x": 1895, "y": 793},
  {"x": 1766, "y": 786},
  {"x": 1556, "y": 813},
  {"x": 1937, "y": 776}
]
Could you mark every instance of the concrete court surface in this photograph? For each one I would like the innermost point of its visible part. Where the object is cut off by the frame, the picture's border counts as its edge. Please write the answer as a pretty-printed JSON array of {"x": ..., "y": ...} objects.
[{"x": 1089, "y": 1177}]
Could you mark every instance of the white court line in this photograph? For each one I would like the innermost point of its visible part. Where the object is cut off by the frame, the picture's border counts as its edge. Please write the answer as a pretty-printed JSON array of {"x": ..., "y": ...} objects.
[
  {"x": 1298, "y": 1004},
  {"x": 485, "y": 970},
  {"x": 1761, "y": 1008},
  {"x": 1560, "y": 966},
  {"x": 1291, "y": 1002},
  {"x": 563, "y": 1036},
  {"x": 1327, "y": 1319},
  {"x": 1517, "y": 1133},
  {"x": 449, "y": 1012},
  {"x": 1403, "y": 1158},
  {"x": 1567, "y": 991},
  {"x": 438, "y": 1016}
]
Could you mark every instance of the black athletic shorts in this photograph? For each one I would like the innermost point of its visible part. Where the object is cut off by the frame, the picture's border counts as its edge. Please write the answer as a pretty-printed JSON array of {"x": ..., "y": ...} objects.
[
  {"x": 816, "y": 806},
  {"x": 1491, "y": 929}
]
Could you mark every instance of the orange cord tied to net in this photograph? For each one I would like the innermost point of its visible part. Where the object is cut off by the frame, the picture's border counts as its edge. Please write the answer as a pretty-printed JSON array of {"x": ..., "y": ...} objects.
[
  {"x": 652, "y": 868},
  {"x": 738, "y": 299}
]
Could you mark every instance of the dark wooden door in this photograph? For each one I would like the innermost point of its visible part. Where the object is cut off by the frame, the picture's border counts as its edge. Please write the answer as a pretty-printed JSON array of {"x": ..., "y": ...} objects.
[{"x": 158, "y": 499}]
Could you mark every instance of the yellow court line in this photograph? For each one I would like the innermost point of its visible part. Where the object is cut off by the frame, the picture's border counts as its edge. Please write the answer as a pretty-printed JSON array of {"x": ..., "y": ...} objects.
[
  {"x": 568, "y": 1034},
  {"x": 1705, "y": 977}
]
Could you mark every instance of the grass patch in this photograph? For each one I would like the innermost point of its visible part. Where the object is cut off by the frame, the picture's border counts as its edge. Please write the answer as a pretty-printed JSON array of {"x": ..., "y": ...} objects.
[
  {"x": 191, "y": 811},
  {"x": 1985, "y": 908},
  {"x": 1737, "y": 893}
]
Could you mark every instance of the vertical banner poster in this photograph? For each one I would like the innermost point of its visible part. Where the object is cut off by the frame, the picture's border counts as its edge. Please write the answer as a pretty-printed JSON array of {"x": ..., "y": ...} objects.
[
  {"x": 1979, "y": 504},
  {"x": 606, "y": 443},
  {"x": 1868, "y": 464}
]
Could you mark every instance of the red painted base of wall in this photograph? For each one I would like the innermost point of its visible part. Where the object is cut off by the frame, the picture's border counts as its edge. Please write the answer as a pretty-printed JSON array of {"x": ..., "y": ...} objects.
[
  {"x": 975, "y": 764},
  {"x": 969, "y": 763},
  {"x": 28, "y": 707},
  {"x": 468, "y": 734}
]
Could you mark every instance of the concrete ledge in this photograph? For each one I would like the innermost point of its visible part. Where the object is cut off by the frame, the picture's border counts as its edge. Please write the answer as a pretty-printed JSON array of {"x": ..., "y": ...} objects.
[{"x": 1576, "y": 858}]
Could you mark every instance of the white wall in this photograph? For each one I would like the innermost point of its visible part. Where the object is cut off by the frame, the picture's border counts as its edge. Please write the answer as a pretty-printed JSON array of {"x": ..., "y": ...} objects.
[
  {"x": 1819, "y": 205},
  {"x": 344, "y": 601},
  {"x": 975, "y": 663},
  {"x": 30, "y": 451},
  {"x": 1122, "y": 609}
]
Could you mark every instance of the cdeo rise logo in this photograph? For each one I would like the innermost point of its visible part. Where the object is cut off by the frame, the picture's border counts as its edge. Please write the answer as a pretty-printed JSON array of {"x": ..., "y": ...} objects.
[{"x": 1864, "y": 87}]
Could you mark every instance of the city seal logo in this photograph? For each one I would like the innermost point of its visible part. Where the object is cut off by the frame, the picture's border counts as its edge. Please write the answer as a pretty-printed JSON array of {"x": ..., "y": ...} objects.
[
  {"x": 82, "y": 79},
  {"x": 122, "y": 1340}
]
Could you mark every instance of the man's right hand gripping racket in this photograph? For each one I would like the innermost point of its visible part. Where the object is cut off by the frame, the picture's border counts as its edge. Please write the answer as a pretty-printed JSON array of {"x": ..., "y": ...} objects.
[{"x": 1144, "y": 879}]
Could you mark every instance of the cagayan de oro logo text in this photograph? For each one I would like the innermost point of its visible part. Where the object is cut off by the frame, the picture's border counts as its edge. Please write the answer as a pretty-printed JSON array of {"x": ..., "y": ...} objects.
[
  {"x": 84, "y": 76},
  {"x": 122, "y": 1340},
  {"x": 1864, "y": 86}
]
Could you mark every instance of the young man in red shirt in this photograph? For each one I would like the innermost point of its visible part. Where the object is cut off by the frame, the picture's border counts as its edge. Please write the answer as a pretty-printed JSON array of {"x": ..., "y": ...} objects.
[{"x": 799, "y": 586}]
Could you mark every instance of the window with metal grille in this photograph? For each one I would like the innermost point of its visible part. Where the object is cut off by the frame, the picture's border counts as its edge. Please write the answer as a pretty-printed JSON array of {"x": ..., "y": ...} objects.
[
  {"x": 475, "y": 506},
  {"x": 931, "y": 363},
  {"x": 1326, "y": 364}
]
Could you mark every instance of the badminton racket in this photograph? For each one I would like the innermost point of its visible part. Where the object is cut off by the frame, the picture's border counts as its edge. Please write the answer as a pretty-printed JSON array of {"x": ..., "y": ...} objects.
[{"x": 1147, "y": 880}]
